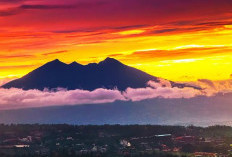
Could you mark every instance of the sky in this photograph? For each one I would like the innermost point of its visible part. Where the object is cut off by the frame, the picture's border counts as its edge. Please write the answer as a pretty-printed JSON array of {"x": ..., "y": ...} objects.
[{"x": 181, "y": 40}]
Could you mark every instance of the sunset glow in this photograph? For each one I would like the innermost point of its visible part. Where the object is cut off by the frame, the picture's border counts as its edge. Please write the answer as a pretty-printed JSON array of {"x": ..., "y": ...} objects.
[{"x": 181, "y": 41}]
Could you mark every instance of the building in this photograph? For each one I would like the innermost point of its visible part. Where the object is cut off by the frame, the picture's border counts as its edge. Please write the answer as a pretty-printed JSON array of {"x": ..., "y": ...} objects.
[{"x": 205, "y": 154}]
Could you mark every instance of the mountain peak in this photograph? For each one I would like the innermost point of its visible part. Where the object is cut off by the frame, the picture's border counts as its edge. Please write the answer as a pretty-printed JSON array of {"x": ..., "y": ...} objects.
[
  {"x": 54, "y": 64},
  {"x": 109, "y": 60},
  {"x": 75, "y": 64},
  {"x": 56, "y": 61}
]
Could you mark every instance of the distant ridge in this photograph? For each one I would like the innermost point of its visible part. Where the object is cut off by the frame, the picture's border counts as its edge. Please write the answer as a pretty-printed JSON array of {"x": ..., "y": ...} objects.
[{"x": 109, "y": 74}]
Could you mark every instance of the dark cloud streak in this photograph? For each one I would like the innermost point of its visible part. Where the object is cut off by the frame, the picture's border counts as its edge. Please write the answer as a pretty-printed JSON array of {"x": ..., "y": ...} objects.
[
  {"x": 42, "y": 7},
  {"x": 10, "y": 12},
  {"x": 54, "y": 53}
]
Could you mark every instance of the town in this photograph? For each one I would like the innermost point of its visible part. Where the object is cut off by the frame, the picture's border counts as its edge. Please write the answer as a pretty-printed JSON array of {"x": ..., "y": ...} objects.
[{"x": 114, "y": 140}]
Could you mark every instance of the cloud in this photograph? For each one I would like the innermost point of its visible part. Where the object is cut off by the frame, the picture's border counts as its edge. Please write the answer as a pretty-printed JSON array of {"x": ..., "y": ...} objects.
[
  {"x": 55, "y": 52},
  {"x": 16, "y": 67},
  {"x": 16, "y": 56},
  {"x": 217, "y": 86},
  {"x": 178, "y": 53},
  {"x": 162, "y": 89},
  {"x": 41, "y": 7},
  {"x": 17, "y": 98},
  {"x": 207, "y": 82},
  {"x": 11, "y": 1},
  {"x": 165, "y": 30},
  {"x": 9, "y": 12},
  {"x": 16, "y": 10}
]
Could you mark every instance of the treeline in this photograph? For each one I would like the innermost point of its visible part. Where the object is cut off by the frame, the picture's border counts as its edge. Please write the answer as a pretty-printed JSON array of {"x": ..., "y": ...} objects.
[{"x": 123, "y": 130}]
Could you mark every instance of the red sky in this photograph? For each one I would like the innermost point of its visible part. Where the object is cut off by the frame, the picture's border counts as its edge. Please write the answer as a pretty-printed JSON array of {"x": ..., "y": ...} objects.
[{"x": 156, "y": 36}]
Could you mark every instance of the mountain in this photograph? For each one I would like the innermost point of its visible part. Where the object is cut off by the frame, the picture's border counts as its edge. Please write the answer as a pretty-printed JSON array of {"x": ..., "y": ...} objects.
[{"x": 109, "y": 74}]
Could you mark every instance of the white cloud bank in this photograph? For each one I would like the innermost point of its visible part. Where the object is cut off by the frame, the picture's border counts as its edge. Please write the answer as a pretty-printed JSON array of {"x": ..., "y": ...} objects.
[
  {"x": 162, "y": 89},
  {"x": 17, "y": 98}
]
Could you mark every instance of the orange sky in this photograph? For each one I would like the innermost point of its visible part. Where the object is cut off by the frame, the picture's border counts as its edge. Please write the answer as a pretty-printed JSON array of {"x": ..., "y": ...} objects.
[{"x": 181, "y": 41}]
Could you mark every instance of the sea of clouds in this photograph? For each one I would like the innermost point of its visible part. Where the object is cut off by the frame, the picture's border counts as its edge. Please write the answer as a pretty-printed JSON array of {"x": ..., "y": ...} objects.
[{"x": 17, "y": 98}]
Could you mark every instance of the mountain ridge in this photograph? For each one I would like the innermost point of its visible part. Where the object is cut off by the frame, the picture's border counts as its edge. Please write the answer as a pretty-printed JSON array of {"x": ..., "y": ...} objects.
[{"x": 109, "y": 73}]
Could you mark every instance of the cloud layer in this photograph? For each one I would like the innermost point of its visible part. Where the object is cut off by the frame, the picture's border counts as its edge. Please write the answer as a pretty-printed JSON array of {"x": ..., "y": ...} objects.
[{"x": 17, "y": 98}]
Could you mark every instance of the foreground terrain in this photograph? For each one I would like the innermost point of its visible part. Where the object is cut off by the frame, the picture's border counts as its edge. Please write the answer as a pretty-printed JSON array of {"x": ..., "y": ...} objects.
[
  {"x": 113, "y": 140},
  {"x": 200, "y": 111}
]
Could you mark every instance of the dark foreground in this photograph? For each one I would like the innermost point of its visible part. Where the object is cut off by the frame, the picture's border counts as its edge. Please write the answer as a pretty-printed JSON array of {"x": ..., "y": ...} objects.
[{"x": 113, "y": 141}]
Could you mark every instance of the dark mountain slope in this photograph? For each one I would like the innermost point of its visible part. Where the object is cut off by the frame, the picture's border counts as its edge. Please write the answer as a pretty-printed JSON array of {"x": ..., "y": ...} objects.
[{"x": 109, "y": 74}]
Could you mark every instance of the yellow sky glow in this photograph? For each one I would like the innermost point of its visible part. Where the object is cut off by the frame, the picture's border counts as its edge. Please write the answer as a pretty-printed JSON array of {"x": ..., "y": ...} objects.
[{"x": 177, "y": 56}]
